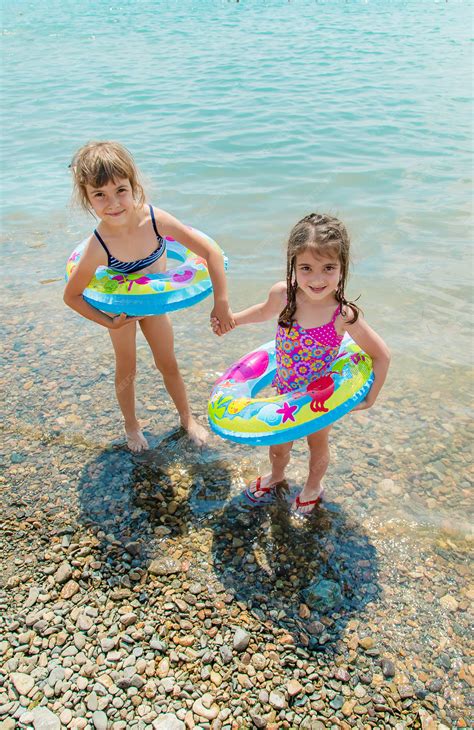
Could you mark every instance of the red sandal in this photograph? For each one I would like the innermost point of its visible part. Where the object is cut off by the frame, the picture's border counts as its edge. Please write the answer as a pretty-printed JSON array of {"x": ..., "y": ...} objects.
[
  {"x": 267, "y": 492},
  {"x": 309, "y": 502}
]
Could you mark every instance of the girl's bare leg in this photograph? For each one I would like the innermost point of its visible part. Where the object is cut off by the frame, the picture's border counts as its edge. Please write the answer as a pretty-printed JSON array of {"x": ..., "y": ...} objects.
[
  {"x": 318, "y": 463},
  {"x": 159, "y": 334},
  {"x": 124, "y": 343},
  {"x": 279, "y": 457}
]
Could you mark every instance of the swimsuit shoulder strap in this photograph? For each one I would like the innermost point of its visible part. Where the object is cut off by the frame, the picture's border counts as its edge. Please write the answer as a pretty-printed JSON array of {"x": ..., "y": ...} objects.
[
  {"x": 101, "y": 241},
  {"x": 152, "y": 213},
  {"x": 337, "y": 311}
]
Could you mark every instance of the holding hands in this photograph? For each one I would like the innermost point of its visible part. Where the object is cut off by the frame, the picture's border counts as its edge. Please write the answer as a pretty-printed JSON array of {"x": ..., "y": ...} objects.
[{"x": 222, "y": 320}]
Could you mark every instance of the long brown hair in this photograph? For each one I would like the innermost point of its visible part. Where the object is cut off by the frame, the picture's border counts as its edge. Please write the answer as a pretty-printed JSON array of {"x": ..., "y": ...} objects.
[
  {"x": 323, "y": 235},
  {"x": 98, "y": 163}
]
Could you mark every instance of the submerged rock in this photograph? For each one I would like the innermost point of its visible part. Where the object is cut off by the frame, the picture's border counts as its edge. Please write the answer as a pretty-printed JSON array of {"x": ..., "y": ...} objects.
[
  {"x": 164, "y": 566},
  {"x": 324, "y": 595}
]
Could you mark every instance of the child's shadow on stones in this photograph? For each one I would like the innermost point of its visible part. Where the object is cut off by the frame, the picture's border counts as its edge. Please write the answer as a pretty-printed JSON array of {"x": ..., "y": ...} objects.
[
  {"x": 308, "y": 576},
  {"x": 134, "y": 503}
]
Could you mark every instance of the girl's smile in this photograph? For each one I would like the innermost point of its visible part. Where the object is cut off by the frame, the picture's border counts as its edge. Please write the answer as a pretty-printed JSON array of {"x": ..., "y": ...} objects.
[{"x": 317, "y": 277}]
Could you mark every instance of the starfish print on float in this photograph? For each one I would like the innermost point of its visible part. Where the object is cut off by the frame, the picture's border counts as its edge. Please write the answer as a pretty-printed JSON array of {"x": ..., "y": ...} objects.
[{"x": 287, "y": 412}]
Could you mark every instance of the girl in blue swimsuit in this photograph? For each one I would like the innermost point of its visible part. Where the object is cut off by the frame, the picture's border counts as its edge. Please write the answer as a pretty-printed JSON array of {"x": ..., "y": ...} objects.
[{"x": 131, "y": 237}]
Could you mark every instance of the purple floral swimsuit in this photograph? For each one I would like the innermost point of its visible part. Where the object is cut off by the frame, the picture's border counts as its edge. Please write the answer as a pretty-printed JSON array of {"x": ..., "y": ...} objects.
[{"x": 304, "y": 355}]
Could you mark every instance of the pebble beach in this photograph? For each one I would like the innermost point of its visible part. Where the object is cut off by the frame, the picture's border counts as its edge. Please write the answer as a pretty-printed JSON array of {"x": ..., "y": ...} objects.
[{"x": 143, "y": 591}]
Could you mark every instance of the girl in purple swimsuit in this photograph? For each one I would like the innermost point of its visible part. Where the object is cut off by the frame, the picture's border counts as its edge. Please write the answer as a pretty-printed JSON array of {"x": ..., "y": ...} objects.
[
  {"x": 313, "y": 315},
  {"x": 131, "y": 237}
]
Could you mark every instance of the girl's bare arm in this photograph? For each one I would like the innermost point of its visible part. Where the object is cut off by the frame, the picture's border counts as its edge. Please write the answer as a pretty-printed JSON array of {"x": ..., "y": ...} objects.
[
  {"x": 263, "y": 311},
  {"x": 168, "y": 225},
  {"x": 78, "y": 281},
  {"x": 371, "y": 343}
]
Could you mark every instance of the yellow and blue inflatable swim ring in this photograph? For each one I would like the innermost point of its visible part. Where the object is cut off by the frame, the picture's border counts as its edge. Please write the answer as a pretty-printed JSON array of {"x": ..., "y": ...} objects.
[
  {"x": 237, "y": 415},
  {"x": 143, "y": 294}
]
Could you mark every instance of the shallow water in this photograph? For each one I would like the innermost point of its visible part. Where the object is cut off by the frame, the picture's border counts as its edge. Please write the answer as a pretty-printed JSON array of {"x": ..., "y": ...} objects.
[{"x": 244, "y": 117}]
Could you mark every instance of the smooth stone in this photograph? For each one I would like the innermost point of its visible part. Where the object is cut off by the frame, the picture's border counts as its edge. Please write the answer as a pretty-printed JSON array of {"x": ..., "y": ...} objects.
[
  {"x": 449, "y": 602},
  {"x": 91, "y": 702},
  {"x": 133, "y": 547},
  {"x": 63, "y": 573},
  {"x": 388, "y": 668},
  {"x": 108, "y": 644},
  {"x": 168, "y": 683},
  {"x": 366, "y": 642},
  {"x": 294, "y": 687},
  {"x": 195, "y": 588},
  {"x": 226, "y": 654},
  {"x": 99, "y": 718},
  {"x": 204, "y": 707},
  {"x": 241, "y": 640},
  {"x": 128, "y": 619},
  {"x": 157, "y": 644},
  {"x": 56, "y": 675},
  {"x": 360, "y": 691},
  {"x": 436, "y": 685},
  {"x": 168, "y": 722},
  {"x": 428, "y": 722},
  {"x": 8, "y": 724},
  {"x": 405, "y": 691},
  {"x": 23, "y": 683},
  {"x": 44, "y": 719},
  {"x": 347, "y": 708},
  {"x": 337, "y": 702},
  {"x": 259, "y": 661},
  {"x": 163, "y": 668},
  {"x": 277, "y": 700},
  {"x": 32, "y": 597},
  {"x": 27, "y": 718},
  {"x": 215, "y": 678},
  {"x": 66, "y": 716},
  {"x": 84, "y": 622},
  {"x": 79, "y": 641},
  {"x": 70, "y": 589},
  {"x": 164, "y": 566}
]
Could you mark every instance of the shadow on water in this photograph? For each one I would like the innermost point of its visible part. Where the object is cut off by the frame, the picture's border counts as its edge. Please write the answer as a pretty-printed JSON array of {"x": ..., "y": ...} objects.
[{"x": 263, "y": 556}]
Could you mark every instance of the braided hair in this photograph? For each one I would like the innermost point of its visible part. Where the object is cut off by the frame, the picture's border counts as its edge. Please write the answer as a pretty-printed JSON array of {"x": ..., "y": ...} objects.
[{"x": 323, "y": 235}]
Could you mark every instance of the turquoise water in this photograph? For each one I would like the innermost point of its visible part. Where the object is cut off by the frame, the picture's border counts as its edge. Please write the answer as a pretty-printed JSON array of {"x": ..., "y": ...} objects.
[{"x": 246, "y": 116}]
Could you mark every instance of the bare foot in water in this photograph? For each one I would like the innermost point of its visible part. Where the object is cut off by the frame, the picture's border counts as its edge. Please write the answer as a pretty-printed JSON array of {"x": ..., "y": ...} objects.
[
  {"x": 196, "y": 433},
  {"x": 136, "y": 441}
]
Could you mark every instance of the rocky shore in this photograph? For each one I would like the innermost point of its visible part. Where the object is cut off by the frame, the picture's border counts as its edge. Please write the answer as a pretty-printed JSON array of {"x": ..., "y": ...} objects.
[{"x": 145, "y": 593}]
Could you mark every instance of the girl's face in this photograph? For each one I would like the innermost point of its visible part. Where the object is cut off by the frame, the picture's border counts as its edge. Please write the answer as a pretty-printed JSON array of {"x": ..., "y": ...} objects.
[
  {"x": 113, "y": 202},
  {"x": 317, "y": 277}
]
